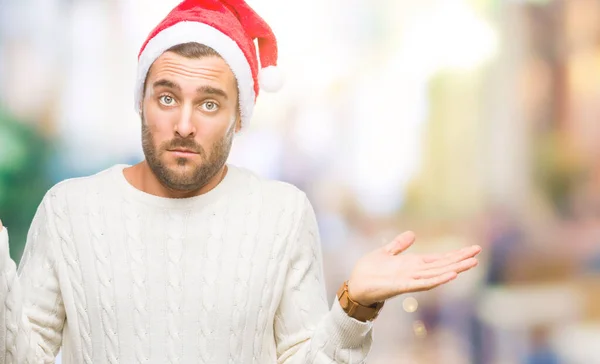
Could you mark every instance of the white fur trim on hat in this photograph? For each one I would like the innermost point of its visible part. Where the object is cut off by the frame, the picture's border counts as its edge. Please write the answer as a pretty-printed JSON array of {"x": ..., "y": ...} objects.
[{"x": 185, "y": 32}]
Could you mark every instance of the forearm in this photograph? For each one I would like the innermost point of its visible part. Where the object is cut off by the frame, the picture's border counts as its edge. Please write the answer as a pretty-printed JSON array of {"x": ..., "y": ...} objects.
[
  {"x": 336, "y": 339},
  {"x": 20, "y": 339},
  {"x": 11, "y": 308}
]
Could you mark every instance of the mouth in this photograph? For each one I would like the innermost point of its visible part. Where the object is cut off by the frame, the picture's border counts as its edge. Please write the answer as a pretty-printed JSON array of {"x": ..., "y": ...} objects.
[{"x": 183, "y": 152}]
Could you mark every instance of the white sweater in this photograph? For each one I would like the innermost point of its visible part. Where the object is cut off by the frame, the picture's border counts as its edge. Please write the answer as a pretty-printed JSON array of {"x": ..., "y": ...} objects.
[{"x": 115, "y": 275}]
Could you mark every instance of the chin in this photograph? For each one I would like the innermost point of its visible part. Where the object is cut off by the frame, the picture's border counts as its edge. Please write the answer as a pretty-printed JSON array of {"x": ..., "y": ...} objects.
[
  {"x": 181, "y": 180},
  {"x": 183, "y": 169}
]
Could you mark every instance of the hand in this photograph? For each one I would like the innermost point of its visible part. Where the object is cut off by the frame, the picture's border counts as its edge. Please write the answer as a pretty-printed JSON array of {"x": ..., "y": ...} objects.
[
  {"x": 1, "y": 227},
  {"x": 385, "y": 273}
]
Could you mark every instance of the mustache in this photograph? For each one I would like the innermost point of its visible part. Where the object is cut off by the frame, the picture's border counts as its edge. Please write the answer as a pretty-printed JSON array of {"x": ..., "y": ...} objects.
[{"x": 184, "y": 143}]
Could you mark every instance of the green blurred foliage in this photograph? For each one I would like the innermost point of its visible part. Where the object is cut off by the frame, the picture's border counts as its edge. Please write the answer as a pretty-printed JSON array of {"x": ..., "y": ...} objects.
[{"x": 24, "y": 157}]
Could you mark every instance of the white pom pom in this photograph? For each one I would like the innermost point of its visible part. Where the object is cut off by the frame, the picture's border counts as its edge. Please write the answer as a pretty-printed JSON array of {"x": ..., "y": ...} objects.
[{"x": 270, "y": 79}]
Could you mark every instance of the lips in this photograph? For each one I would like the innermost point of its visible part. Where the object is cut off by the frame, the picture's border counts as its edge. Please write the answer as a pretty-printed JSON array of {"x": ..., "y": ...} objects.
[
  {"x": 183, "y": 153},
  {"x": 183, "y": 150}
]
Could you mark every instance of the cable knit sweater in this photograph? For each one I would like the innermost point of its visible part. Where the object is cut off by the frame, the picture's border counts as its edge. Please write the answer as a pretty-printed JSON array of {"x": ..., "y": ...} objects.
[{"x": 115, "y": 275}]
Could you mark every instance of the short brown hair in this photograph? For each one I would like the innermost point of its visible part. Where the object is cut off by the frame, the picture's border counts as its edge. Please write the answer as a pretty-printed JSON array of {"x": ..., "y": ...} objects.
[{"x": 193, "y": 50}]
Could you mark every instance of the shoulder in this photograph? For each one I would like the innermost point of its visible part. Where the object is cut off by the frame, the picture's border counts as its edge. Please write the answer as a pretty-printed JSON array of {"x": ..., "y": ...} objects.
[
  {"x": 269, "y": 190},
  {"x": 75, "y": 189},
  {"x": 283, "y": 200}
]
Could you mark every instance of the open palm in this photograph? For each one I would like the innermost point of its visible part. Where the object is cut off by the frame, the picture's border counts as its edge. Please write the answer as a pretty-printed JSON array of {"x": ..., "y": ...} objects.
[{"x": 386, "y": 273}]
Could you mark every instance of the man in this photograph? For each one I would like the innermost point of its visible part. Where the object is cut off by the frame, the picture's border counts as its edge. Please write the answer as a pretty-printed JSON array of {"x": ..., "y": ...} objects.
[{"x": 183, "y": 258}]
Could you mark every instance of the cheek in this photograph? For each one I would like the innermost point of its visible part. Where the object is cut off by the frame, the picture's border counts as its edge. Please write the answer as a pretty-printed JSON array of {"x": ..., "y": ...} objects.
[
  {"x": 158, "y": 125},
  {"x": 214, "y": 128},
  {"x": 211, "y": 134}
]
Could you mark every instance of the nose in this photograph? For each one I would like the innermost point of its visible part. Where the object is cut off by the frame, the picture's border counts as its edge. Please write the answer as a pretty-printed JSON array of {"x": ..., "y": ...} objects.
[{"x": 185, "y": 125}]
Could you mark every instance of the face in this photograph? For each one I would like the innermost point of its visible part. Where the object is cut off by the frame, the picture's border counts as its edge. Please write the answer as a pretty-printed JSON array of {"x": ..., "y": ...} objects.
[{"x": 189, "y": 117}]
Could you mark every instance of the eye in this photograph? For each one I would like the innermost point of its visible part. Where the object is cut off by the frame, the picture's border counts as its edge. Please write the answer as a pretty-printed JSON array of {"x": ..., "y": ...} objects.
[
  {"x": 167, "y": 100},
  {"x": 210, "y": 106}
]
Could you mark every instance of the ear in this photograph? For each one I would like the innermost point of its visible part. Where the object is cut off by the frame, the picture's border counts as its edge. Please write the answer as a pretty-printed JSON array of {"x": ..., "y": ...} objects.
[
  {"x": 141, "y": 105},
  {"x": 238, "y": 124},
  {"x": 141, "y": 112}
]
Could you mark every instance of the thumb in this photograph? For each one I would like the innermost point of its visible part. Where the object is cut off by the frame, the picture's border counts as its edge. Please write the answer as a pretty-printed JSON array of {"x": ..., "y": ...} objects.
[{"x": 400, "y": 243}]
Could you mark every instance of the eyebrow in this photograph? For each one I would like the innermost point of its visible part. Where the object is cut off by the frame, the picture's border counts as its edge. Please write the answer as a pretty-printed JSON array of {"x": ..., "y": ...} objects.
[
  {"x": 166, "y": 83},
  {"x": 210, "y": 90}
]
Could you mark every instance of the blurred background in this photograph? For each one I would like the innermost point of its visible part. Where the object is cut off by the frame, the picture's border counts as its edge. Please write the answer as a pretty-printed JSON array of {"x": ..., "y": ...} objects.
[{"x": 466, "y": 121}]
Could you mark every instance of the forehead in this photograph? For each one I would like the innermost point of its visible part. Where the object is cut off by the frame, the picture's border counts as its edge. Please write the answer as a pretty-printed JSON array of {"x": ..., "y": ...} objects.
[{"x": 192, "y": 72}]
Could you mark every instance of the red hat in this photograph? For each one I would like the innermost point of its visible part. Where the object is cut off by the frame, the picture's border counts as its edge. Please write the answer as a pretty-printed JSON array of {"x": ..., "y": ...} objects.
[{"x": 230, "y": 28}]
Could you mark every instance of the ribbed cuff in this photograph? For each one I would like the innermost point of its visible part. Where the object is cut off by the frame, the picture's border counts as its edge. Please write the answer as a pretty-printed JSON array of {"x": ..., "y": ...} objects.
[{"x": 347, "y": 331}]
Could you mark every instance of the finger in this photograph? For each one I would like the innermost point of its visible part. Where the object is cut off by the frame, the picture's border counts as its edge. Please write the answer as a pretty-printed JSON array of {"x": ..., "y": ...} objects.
[
  {"x": 456, "y": 267},
  {"x": 454, "y": 257},
  {"x": 430, "y": 283},
  {"x": 430, "y": 258},
  {"x": 400, "y": 243}
]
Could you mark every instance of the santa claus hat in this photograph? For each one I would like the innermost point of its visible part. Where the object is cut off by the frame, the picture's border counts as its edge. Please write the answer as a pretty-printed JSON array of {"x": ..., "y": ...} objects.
[{"x": 230, "y": 28}]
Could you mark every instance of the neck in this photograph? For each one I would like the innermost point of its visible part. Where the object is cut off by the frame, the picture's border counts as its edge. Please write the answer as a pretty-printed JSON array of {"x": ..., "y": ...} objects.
[{"x": 141, "y": 177}]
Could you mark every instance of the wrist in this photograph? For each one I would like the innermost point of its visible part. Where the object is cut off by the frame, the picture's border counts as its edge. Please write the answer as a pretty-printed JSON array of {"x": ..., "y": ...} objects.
[
  {"x": 358, "y": 298},
  {"x": 355, "y": 309}
]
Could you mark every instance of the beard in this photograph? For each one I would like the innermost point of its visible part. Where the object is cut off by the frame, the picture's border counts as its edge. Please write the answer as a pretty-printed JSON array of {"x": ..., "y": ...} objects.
[{"x": 187, "y": 175}]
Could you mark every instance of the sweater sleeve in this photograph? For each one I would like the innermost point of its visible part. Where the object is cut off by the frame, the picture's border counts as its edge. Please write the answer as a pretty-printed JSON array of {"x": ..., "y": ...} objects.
[
  {"x": 32, "y": 312},
  {"x": 305, "y": 330}
]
